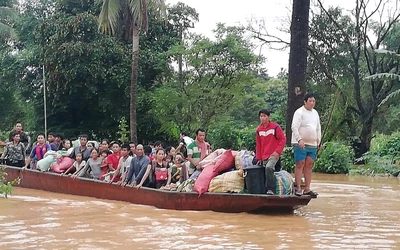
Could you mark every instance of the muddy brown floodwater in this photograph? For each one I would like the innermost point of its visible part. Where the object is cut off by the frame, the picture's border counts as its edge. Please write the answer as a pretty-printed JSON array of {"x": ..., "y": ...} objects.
[{"x": 350, "y": 213}]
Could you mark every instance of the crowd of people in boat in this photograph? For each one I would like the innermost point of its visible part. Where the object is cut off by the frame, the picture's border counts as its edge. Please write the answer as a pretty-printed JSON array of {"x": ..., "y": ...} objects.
[
  {"x": 154, "y": 166},
  {"x": 125, "y": 164}
]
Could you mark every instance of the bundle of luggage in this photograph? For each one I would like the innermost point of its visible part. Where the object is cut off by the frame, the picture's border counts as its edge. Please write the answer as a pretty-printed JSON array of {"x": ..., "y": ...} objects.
[{"x": 234, "y": 172}]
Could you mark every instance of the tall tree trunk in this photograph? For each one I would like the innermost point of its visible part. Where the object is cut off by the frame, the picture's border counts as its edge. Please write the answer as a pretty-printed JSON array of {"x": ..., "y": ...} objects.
[
  {"x": 134, "y": 83},
  {"x": 297, "y": 61}
]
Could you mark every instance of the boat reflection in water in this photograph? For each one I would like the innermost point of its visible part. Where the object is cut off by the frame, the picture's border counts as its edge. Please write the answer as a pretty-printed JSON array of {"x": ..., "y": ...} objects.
[{"x": 350, "y": 213}]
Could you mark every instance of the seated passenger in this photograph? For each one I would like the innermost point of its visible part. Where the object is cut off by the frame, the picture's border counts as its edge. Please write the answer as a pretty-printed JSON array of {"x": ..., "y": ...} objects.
[
  {"x": 176, "y": 170},
  {"x": 104, "y": 164},
  {"x": 123, "y": 165},
  {"x": 82, "y": 148},
  {"x": 37, "y": 152},
  {"x": 157, "y": 172},
  {"x": 92, "y": 168},
  {"x": 138, "y": 167},
  {"x": 78, "y": 165}
]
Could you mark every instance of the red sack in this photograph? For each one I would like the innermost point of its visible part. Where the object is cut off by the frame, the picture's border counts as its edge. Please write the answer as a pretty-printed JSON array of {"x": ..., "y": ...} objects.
[
  {"x": 63, "y": 165},
  {"x": 224, "y": 162},
  {"x": 161, "y": 175}
]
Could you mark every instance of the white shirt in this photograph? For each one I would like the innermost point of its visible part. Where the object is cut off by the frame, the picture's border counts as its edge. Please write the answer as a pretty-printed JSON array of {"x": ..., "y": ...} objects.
[
  {"x": 306, "y": 126},
  {"x": 187, "y": 140},
  {"x": 125, "y": 164}
]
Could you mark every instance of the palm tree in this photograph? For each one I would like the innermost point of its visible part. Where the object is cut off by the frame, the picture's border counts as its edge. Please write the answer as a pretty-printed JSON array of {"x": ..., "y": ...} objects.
[
  {"x": 7, "y": 16},
  {"x": 110, "y": 22}
]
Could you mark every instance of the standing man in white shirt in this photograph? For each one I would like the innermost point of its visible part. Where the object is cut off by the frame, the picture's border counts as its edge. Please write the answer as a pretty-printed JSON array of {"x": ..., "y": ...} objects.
[{"x": 306, "y": 139}]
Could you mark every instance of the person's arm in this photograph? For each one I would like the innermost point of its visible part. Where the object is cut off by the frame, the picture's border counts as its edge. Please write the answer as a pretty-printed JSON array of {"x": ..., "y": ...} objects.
[
  {"x": 31, "y": 156},
  {"x": 140, "y": 176},
  {"x": 23, "y": 151},
  {"x": 110, "y": 164},
  {"x": 116, "y": 172},
  {"x": 169, "y": 176},
  {"x": 145, "y": 176},
  {"x": 281, "y": 140},
  {"x": 83, "y": 170},
  {"x": 296, "y": 123},
  {"x": 69, "y": 169},
  {"x": 319, "y": 137}
]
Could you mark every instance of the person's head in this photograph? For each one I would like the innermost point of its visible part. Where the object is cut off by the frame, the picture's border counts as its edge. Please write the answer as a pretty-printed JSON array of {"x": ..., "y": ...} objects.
[
  {"x": 105, "y": 153},
  {"x": 105, "y": 144},
  {"x": 264, "y": 116},
  {"x": 178, "y": 160},
  {"x": 83, "y": 139},
  {"x": 41, "y": 138},
  {"x": 15, "y": 136},
  {"x": 18, "y": 127},
  {"x": 90, "y": 145},
  {"x": 125, "y": 150},
  {"x": 309, "y": 101},
  {"x": 79, "y": 157},
  {"x": 182, "y": 134},
  {"x": 58, "y": 137},
  {"x": 159, "y": 156},
  {"x": 158, "y": 145},
  {"x": 139, "y": 150},
  {"x": 132, "y": 147},
  {"x": 94, "y": 153},
  {"x": 51, "y": 137},
  {"x": 115, "y": 147},
  {"x": 67, "y": 144},
  {"x": 169, "y": 158},
  {"x": 147, "y": 150},
  {"x": 170, "y": 150},
  {"x": 200, "y": 135}
]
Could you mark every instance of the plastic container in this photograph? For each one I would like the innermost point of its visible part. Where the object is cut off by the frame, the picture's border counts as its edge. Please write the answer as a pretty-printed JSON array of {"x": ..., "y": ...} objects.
[{"x": 254, "y": 177}]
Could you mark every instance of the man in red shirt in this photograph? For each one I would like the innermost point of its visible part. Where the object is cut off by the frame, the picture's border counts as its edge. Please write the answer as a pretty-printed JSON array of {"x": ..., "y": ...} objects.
[
  {"x": 113, "y": 159},
  {"x": 270, "y": 141}
]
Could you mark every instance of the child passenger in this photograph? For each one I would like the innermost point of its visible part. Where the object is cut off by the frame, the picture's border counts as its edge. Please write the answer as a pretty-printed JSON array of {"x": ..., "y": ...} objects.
[
  {"x": 78, "y": 165},
  {"x": 104, "y": 164},
  {"x": 176, "y": 170},
  {"x": 92, "y": 168}
]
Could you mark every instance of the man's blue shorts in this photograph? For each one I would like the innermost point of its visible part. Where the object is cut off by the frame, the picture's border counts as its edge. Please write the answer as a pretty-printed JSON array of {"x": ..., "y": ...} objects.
[{"x": 301, "y": 154}]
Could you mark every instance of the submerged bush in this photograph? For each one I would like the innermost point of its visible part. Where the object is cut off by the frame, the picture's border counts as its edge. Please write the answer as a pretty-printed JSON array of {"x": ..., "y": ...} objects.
[
  {"x": 334, "y": 158},
  {"x": 5, "y": 187},
  {"x": 383, "y": 157}
]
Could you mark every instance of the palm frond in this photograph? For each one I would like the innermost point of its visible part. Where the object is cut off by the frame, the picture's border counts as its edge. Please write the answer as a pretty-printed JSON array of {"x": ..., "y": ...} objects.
[
  {"x": 140, "y": 10},
  {"x": 390, "y": 96},
  {"x": 108, "y": 18},
  {"x": 383, "y": 76},
  {"x": 389, "y": 53}
]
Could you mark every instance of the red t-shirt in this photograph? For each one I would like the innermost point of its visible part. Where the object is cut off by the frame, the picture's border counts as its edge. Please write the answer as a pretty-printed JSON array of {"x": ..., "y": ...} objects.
[
  {"x": 114, "y": 160},
  {"x": 268, "y": 142}
]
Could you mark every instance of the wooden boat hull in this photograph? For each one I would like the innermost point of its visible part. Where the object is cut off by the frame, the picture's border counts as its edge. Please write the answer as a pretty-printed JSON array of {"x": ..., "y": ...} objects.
[{"x": 219, "y": 202}]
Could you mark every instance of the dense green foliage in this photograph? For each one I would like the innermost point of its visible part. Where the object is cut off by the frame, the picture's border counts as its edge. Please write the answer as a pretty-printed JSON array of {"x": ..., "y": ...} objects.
[
  {"x": 334, "y": 158},
  {"x": 383, "y": 158},
  {"x": 220, "y": 84}
]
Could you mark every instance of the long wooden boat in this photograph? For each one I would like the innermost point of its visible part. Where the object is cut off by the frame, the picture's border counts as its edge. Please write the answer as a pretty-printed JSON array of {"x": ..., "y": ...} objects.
[{"x": 218, "y": 202}]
